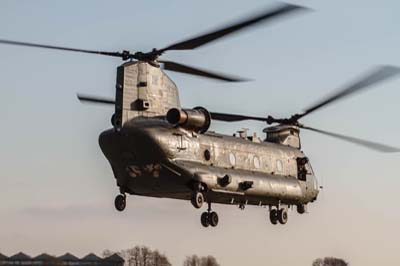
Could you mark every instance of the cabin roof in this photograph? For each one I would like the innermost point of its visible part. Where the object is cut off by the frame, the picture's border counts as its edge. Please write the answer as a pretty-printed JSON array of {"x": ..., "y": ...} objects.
[{"x": 241, "y": 142}]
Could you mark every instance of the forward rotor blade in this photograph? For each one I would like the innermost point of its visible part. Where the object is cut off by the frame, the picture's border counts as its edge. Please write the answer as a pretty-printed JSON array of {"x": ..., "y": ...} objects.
[
  {"x": 92, "y": 99},
  {"x": 234, "y": 117},
  {"x": 172, "y": 66},
  {"x": 115, "y": 54},
  {"x": 364, "y": 143},
  {"x": 380, "y": 74},
  {"x": 267, "y": 15}
]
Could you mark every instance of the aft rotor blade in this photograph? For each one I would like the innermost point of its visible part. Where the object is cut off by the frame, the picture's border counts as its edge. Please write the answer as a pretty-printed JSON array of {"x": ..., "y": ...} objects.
[
  {"x": 45, "y": 46},
  {"x": 172, "y": 66},
  {"x": 234, "y": 117},
  {"x": 92, "y": 99},
  {"x": 365, "y": 143},
  {"x": 379, "y": 74},
  {"x": 268, "y": 15}
]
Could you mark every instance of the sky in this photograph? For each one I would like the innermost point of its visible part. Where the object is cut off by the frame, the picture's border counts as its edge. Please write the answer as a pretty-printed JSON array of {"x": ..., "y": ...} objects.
[{"x": 57, "y": 189}]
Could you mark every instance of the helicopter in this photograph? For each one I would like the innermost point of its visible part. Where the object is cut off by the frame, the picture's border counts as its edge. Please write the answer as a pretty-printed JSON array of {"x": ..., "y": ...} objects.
[{"x": 157, "y": 148}]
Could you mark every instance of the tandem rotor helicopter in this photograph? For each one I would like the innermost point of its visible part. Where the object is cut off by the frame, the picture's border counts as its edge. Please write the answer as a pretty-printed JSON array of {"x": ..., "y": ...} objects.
[{"x": 156, "y": 148}]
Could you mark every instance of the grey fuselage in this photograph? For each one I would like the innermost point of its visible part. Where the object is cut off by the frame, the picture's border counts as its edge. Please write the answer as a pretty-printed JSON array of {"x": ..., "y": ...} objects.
[{"x": 150, "y": 157}]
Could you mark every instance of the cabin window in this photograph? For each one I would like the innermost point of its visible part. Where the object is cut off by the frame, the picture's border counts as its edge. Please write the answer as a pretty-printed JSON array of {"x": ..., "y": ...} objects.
[
  {"x": 207, "y": 155},
  {"x": 279, "y": 166},
  {"x": 232, "y": 159},
  {"x": 256, "y": 162}
]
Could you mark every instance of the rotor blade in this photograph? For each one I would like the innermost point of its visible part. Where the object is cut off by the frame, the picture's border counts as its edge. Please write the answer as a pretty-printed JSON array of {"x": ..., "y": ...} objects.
[
  {"x": 115, "y": 54},
  {"x": 91, "y": 99},
  {"x": 172, "y": 66},
  {"x": 234, "y": 117},
  {"x": 378, "y": 75},
  {"x": 365, "y": 143},
  {"x": 283, "y": 9}
]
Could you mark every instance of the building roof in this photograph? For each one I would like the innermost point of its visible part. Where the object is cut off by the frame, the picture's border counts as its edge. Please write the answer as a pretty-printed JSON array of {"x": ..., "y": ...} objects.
[
  {"x": 115, "y": 258},
  {"x": 68, "y": 257},
  {"x": 44, "y": 257},
  {"x": 91, "y": 257},
  {"x": 20, "y": 256}
]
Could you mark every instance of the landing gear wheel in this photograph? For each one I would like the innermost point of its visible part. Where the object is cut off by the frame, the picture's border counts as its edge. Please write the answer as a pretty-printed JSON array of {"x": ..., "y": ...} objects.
[
  {"x": 197, "y": 200},
  {"x": 120, "y": 202},
  {"x": 273, "y": 216},
  {"x": 204, "y": 219},
  {"x": 301, "y": 208},
  {"x": 283, "y": 216},
  {"x": 213, "y": 219}
]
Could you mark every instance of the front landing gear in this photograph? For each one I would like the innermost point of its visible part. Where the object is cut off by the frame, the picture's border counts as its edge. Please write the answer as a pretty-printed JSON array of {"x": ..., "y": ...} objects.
[
  {"x": 273, "y": 216},
  {"x": 283, "y": 216},
  {"x": 120, "y": 202},
  {"x": 209, "y": 217}
]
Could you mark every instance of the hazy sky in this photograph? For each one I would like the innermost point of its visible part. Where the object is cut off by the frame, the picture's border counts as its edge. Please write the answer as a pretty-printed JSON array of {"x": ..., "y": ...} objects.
[{"x": 57, "y": 189}]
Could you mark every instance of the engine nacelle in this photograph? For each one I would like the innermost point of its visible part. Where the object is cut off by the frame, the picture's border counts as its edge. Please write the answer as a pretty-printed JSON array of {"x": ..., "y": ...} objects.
[{"x": 197, "y": 119}]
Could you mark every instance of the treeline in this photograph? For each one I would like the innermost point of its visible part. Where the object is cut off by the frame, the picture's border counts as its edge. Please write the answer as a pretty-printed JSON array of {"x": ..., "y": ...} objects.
[
  {"x": 330, "y": 261},
  {"x": 144, "y": 256}
]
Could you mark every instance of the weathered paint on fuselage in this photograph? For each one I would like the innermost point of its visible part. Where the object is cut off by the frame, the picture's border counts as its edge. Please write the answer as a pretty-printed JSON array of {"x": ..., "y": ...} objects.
[{"x": 150, "y": 157}]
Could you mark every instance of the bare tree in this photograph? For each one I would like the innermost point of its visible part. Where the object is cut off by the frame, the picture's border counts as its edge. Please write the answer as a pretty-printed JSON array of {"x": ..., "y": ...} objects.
[
  {"x": 144, "y": 256},
  {"x": 208, "y": 261},
  {"x": 329, "y": 261},
  {"x": 134, "y": 256},
  {"x": 200, "y": 261},
  {"x": 158, "y": 259},
  {"x": 192, "y": 261},
  {"x": 164, "y": 261}
]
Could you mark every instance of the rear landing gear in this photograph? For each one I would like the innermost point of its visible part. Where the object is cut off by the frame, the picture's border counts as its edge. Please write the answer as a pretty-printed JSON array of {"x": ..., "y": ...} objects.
[
  {"x": 213, "y": 219},
  {"x": 120, "y": 202},
  {"x": 209, "y": 217},
  {"x": 278, "y": 215},
  {"x": 204, "y": 219},
  {"x": 301, "y": 208}
]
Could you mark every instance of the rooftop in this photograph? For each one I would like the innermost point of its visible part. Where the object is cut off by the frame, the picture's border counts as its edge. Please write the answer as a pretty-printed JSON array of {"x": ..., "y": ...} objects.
[{"x": 91, "y": 257}]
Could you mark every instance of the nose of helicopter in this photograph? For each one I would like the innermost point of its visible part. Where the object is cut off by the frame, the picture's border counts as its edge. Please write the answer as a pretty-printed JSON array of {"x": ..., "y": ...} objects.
[{"x": 315, "y": 188}]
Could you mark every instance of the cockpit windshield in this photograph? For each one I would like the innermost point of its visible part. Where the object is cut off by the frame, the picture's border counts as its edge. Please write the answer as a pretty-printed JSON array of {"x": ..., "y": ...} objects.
[{"x": 309, "y": 169}]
